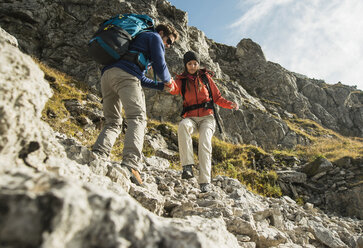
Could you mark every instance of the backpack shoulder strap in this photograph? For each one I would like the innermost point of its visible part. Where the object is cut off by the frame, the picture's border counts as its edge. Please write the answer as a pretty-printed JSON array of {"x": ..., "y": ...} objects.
[
  {"x": 184, "y": 83},
  {"x": 206, "y": 83}
]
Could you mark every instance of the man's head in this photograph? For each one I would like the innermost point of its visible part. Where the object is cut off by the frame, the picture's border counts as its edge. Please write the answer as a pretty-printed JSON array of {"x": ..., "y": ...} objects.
[{"x": 168, "y": 34}]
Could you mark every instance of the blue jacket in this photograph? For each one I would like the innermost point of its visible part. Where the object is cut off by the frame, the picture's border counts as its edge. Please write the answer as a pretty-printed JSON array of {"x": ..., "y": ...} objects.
[{"x": 152, "y": 46}]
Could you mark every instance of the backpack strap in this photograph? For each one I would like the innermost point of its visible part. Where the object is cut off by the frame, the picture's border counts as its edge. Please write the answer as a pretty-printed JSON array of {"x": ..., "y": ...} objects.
[
  {"x": 206, "y": 83},
  {"x": 206, "y": 105},
  {"x": 216, "y": 115},
  {"x": 184, "y": 83}
]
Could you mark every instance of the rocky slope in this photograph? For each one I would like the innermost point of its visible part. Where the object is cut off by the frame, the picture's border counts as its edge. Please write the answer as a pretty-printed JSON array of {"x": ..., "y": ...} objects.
[
  {"x": 57, "y": 32},
  {"x": 50, "y": 200},
  {"x": 55, "y": 193}
]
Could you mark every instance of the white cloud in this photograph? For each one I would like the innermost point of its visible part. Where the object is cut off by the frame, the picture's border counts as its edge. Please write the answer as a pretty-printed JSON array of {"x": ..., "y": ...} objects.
[
  {"x": 320, "y": 38},
  {"x": 256, "y": 10}
]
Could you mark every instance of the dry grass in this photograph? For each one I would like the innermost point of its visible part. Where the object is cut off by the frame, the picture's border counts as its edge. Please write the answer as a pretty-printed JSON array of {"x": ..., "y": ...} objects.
[
  {"x": 56, "y": 114},
  {"x": 332, "y": 148},
  {"x": 309, "y": 129},
  {"x": 324, "y": 142}
]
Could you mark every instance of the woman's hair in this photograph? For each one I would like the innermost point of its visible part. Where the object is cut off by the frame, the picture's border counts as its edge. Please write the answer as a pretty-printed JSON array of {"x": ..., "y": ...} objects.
[
  {"x": 168, "y": 30},
  {"x": 197, "y": 78}
]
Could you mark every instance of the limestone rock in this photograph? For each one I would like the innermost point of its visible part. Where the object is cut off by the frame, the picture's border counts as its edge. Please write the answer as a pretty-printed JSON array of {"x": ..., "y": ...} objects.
[
  {"x": 317, "y": 166},
  {"x": 23, "y": 93},
  {"x": 348, "y": 202},
  {"x": 326, "y": 237},
  {"x": 292, "y": 176}
]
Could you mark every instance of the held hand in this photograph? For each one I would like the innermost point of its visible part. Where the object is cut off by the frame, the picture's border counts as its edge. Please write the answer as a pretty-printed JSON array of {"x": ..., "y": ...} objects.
[
  {"x": 169, "y": 86},
  {"x": 235, "y": 106}
]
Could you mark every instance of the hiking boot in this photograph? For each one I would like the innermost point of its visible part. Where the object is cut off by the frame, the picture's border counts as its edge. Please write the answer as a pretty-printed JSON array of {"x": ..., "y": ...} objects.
[
  {"x": 205, "y": 187},
  {"x": 187, "y": 171},
  {"x": 135, "y": 177},
  {"x": 129, "y": 173}
]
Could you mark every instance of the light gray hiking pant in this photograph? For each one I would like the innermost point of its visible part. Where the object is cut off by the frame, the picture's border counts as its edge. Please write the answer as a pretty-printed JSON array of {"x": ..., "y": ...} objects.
[
  {"x": 121, "y": 89},
  {"x": 206, "y": 126}
]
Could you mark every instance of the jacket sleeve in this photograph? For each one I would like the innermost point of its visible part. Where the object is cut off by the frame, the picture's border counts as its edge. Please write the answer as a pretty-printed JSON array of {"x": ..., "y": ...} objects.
[
  {"x": 177, "y": 87},
  {"x": 149, "y": 83},
  {"x": 217, "y": 97},
  {"x": 157, "y": 57}
]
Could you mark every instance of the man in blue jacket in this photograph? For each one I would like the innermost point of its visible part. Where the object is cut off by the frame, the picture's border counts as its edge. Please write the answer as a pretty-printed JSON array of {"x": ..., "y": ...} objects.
[{"x": 121, "y": 87}]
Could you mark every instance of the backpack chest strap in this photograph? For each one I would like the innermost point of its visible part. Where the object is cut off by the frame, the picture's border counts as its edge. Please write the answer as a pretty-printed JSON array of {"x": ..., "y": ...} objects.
[{"x": 205, "y": 105}]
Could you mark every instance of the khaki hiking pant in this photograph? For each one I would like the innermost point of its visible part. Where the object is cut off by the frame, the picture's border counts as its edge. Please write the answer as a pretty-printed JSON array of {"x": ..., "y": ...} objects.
[
  {"x": 121, "y": 89},
  {"x": 205, "y": 126}
]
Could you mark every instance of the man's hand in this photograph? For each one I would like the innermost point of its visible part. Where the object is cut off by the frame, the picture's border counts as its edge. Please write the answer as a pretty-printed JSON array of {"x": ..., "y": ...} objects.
[{"x": 169, "y": 86}]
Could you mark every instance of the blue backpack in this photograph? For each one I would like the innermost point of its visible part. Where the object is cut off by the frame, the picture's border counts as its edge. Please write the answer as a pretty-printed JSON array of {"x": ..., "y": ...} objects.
[{"x": 111, "y": 41}]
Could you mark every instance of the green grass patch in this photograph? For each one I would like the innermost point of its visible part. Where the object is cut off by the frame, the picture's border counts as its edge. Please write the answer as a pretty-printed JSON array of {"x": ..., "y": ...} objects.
[
  {"x": 236, "y": 161},
  {"x": 56, "y": 114},
  {"x": 264, "y": 183}
]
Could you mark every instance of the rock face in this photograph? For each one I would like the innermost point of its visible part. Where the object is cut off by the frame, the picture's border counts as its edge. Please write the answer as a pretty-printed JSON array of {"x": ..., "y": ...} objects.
[
  {"x": 333, "y": 187},
  {"x": 337, "y": 107},
  {"x": 57, "y": 32},
  {"x": 58, "y": 202},
  {"x": 72, "y": 198}
]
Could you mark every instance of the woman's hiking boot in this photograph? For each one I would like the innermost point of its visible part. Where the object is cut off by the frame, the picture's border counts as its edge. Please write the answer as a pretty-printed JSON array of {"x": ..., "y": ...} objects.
[
  {"x": 205, "y": 187},
  {"x": 187, "y": 171}
]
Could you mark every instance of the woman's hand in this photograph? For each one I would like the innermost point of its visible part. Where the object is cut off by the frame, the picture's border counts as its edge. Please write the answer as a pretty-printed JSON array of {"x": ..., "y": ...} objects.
[
  {"x": 235, "y": 106},
  {"x": 169, "y": 86}
]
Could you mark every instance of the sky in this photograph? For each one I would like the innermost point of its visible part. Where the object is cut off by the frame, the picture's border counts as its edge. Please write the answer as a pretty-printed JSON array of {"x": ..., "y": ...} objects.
[{"x": 322, "y": 39}]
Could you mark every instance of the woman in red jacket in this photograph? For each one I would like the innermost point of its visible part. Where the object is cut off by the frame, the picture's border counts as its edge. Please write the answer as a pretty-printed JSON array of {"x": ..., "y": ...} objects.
[{"x": 197, "y": 116}]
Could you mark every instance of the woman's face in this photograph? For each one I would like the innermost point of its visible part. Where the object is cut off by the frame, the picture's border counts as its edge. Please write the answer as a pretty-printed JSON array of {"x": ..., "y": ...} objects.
[{"x": 192, "y": 66}]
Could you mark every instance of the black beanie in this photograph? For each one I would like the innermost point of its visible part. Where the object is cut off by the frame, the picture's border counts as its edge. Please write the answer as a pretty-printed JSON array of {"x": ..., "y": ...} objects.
[{"x": 188, "y": 56}]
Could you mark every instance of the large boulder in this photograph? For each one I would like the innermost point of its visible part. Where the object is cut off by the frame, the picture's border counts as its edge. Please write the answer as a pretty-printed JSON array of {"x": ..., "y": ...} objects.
[
  {"x": 23, "y": 94},
  {"x": 47, "y": 211}
]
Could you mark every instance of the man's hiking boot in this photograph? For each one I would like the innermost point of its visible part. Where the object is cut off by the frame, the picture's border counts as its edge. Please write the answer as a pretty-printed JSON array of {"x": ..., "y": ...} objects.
[
  {"x": 135, "y": 177},
  {"x": 130, "y": 173},
  {"x": 187, "y": 171},
  {"x": 205, "y": 187}
]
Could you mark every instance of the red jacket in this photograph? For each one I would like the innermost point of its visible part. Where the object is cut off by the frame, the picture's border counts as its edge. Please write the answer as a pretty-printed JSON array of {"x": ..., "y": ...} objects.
[{"x": 196, "y": 93}]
